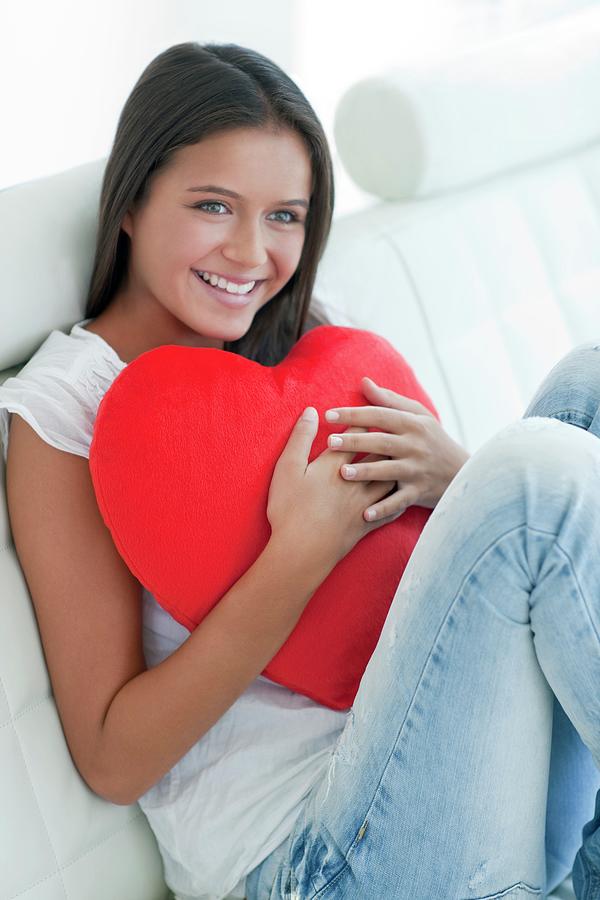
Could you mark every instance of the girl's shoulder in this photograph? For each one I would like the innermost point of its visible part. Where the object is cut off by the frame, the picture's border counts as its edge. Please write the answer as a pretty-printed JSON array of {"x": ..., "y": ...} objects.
[{"x": 60, "y": 387}]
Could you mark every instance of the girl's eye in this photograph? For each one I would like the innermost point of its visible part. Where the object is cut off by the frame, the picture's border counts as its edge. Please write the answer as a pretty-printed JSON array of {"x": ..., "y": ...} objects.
[
  {"x": 205, "y": 203},
  {"x": 288, "y": 212},
  {"x": 208, "y": 203}
]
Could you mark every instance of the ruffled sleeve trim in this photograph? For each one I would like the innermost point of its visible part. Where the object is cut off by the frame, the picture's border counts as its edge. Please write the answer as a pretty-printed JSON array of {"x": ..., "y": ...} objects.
[{"x": 59, "y": 389}]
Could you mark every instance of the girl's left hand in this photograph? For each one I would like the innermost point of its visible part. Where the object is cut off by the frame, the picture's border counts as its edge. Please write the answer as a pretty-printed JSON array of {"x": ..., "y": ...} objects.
[{"x": 421, "y": 457}]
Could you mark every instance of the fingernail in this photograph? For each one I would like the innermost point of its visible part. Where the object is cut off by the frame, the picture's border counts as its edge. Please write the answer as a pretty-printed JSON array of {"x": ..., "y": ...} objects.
[
  {"x": 371, "y": 514},
  {"x": 349, "y": 471},
  {"x": 331, "y": 415},
  {"x": 310, "y": 413}
]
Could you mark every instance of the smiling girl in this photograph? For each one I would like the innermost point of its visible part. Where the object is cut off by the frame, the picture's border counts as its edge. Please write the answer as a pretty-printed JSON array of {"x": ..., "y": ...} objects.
[
  {"x": 216, "y": 204},
  {"x": 204, "y": 259}
]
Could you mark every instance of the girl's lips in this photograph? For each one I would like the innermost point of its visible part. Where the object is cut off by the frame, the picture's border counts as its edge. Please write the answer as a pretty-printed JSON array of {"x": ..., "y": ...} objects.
[{"x": 233, "y": 301}]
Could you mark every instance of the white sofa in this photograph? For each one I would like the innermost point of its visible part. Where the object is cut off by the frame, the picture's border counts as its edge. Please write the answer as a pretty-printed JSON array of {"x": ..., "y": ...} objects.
[{"x": 479, "y": 260}]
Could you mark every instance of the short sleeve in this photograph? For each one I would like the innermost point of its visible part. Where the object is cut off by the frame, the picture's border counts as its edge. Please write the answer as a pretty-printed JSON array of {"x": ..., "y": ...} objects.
[{"x": 58, "y": 392}]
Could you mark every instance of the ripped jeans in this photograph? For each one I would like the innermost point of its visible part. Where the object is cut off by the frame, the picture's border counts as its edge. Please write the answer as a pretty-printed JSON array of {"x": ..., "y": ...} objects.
[{"x": 470, "y": 760}]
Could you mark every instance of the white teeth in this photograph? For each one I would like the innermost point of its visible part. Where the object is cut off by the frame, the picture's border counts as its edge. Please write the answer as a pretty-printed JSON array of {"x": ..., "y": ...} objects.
[{"x": 225, "y": 285}]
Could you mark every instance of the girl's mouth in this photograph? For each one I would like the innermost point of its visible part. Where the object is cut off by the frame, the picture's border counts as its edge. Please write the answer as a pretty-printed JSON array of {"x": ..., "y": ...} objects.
[{"x": 233, "y": 301}]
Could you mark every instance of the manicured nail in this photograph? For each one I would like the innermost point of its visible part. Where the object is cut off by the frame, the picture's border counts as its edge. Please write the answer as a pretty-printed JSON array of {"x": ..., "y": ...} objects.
[
  {"x": 371, "y": 513},
  {"x": 331, "y": 415}
]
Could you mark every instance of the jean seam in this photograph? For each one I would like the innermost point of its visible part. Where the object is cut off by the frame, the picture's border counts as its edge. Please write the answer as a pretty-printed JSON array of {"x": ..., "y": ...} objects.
[
  {"x": 579, "y": 589},
  {"x": 521, "y": 885},
  {"x": 591, "y": 885},
  {"x": 591, "y": 888},
  {"x": 332, "y": 880}
]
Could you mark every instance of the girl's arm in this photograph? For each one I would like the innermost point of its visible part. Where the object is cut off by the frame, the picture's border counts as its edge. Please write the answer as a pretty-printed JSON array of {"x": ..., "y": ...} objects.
[
  {"x": 158, "y": 715},
  {"x": 127, "y": 725}
]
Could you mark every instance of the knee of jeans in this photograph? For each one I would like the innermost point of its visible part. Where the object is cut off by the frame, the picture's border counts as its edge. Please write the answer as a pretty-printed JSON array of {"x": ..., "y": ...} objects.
[
  {"x": 583, "y": 348},
  {"x": 540, "y": 451},
  {"x": 584, "y": 354},
  {"x": 571, "y": 390}
]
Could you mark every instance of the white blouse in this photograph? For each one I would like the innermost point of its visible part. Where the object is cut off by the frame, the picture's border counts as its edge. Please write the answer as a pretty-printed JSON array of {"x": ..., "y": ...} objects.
[{"x": 235, "y": 795}]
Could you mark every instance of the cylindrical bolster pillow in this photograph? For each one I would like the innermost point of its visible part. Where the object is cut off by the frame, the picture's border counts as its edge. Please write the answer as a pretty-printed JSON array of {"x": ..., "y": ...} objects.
[{"x": 427, "y": 130}]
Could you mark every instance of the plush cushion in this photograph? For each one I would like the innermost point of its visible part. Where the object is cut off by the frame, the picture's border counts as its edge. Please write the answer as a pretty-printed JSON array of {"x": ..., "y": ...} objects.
[
  {"x": 421, "y": 130},
  {"x": 182, "y": 456}
]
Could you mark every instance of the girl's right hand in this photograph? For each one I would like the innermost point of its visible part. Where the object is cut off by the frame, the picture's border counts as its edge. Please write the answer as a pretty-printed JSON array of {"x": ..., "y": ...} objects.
[{"x": 311, "y": 505}]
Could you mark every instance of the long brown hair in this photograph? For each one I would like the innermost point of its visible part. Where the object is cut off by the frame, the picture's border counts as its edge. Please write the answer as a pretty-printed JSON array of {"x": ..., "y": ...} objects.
[{"x": 187, "y": 92}]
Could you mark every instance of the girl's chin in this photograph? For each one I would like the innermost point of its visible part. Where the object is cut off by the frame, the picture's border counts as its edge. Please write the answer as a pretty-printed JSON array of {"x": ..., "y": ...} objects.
[{"x": 221, "y": 332}]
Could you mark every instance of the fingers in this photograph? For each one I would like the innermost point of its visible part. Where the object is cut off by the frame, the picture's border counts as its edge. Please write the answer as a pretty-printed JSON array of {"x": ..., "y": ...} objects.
[
  {"x": 392, "y": 506},
  {"x": 375, "y": 441},
  {"x": 380, "y": 470},
  {"x": 381, "y": 417},
  {"x": 371, "y": 457},
  {"x": 300, "y": 441},
  {"x": 349, "y": 451},
  {"x": 387, "y": 397}
]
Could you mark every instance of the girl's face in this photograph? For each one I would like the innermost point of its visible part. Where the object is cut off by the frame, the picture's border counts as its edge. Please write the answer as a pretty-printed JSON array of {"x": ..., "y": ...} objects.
[{"x": 232, "y": 205}]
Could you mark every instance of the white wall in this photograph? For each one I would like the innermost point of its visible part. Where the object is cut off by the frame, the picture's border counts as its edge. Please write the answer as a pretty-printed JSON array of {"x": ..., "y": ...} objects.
[{"x": 67, "y": 67}]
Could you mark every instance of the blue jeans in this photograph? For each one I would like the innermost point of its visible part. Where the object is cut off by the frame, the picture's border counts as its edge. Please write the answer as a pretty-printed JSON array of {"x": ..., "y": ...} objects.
[{"x": 470, "y": 760}]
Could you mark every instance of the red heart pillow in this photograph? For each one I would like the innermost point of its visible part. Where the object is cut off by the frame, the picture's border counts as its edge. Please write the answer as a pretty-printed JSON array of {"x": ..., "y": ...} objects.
[{"x": 184, "y": 446}]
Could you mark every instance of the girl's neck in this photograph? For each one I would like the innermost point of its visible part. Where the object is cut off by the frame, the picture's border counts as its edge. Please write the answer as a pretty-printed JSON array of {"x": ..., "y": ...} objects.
[{"x": 130, "y": 337}]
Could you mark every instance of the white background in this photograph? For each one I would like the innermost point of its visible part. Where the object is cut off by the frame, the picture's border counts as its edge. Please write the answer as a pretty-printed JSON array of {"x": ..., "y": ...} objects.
[{"x": 67, "y": 66}]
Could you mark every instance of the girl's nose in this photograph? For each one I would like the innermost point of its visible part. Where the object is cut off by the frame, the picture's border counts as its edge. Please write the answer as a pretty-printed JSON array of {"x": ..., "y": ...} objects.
[{"x": 245, "y": 245}]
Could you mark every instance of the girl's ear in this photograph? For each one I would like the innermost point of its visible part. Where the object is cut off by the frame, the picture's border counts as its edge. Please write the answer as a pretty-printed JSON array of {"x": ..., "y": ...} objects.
[{"x": 127, "y": 223}]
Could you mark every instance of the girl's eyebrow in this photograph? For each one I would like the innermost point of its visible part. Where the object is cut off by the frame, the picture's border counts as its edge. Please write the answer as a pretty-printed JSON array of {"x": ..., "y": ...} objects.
[{"x": 215, "y": 189}]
